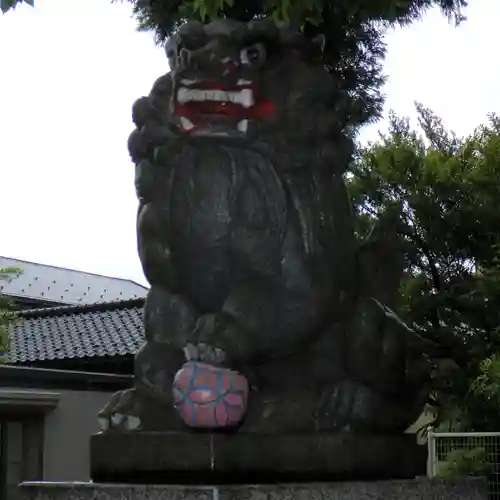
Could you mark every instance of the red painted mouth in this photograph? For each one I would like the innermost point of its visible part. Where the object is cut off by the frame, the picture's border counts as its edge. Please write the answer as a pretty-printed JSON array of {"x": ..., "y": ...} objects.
[{"x": 199, "y": 103}]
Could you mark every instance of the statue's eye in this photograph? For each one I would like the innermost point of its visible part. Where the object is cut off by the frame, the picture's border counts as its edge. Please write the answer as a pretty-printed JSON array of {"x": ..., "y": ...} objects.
[{"x": 254, "y": 55}]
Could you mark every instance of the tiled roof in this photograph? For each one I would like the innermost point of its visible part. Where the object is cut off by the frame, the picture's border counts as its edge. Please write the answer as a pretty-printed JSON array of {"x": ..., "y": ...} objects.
[
  {"x": 66, "y": 286},
  {"x": 106, "y": 329}
]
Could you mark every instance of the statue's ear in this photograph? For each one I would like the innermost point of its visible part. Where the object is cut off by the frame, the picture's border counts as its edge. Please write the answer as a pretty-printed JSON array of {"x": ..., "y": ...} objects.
[{"x": 319, "y": 41}]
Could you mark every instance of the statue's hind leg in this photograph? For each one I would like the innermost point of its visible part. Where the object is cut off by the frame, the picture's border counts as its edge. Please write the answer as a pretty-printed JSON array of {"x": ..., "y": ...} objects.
[
  {"x": 384, "y": 381},
  {"x": 366, "y": 373}
]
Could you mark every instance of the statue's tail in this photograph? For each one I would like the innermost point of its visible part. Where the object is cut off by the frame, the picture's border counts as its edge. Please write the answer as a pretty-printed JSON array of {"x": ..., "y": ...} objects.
[
  {"x": 381, "y": 260},
  {"x": 381, "y": 263}
]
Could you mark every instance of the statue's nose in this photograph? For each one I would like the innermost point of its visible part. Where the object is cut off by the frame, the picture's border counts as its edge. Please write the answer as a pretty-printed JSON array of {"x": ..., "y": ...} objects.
[{"x": 207, "y": 59}]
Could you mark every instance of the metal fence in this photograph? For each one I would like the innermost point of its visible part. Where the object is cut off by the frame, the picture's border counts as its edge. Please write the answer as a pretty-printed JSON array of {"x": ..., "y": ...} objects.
[{"x": 479, "y": 451}]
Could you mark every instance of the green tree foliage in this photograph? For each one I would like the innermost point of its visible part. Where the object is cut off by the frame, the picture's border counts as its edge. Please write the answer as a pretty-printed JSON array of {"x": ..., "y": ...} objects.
[
  {"x": 7, "y": 315},
  {"x": 448, "y": 188},
  {"x": 487, "y": 383},
  {"x": 6, "y": 5}
]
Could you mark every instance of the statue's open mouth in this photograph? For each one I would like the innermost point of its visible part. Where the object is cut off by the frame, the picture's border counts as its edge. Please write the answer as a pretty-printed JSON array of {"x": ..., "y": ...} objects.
[{"x": 206, "y": 107}]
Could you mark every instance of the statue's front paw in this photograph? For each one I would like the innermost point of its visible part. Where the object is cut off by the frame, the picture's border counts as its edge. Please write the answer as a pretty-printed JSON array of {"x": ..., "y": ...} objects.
[
  {"x": 207, "y": 343},
  {"x": 217, "y": 339}
]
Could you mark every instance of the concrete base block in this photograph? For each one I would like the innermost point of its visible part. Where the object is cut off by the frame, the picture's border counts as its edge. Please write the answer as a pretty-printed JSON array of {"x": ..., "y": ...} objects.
[
  {"x": 416, "y": 489},
  {"x": 243, "y": 458}
]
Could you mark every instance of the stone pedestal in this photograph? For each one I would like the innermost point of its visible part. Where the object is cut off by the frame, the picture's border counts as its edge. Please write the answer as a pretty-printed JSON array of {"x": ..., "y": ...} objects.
[
  {"x": 417, "y": 489},
  {"x": 203, "y": 458}
]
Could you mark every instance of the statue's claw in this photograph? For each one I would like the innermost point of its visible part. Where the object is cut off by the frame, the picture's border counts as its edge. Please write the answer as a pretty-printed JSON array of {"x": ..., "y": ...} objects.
[
  {"x": 216, "y": 339},
  {"x": 191, "y": 352},
  {"x": 205, "y": 352},
  {"x": 121, "y": 413}
]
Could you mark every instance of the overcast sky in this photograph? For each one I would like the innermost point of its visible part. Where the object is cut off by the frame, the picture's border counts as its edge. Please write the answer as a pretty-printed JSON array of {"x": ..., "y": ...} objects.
[{"x": 70, "y": 71}]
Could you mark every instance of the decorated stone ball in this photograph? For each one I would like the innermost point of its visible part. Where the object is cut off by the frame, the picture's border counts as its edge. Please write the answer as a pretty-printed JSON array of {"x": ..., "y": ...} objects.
[{"x": 207, "y": 396}]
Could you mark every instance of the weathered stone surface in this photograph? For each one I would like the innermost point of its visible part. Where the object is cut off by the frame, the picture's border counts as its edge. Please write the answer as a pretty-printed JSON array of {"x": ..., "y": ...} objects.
[
  {"x": 419, "y": 489},
  {"x": 246, "y": 234},
  {"x": 91, "y": 491},
  {"x": 201, "y": 458}
]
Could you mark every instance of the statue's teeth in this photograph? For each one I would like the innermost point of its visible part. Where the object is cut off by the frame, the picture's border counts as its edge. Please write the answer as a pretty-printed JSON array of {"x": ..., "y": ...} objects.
[
  {"x": 216, "y": 95},
  {"x": 246, "y": 98},
  {"x": 183, "y": 95},
  {"x": 186, "y": 124},
  {"x": 242, "y": 97},
  {"x": 243, "y": 126}
]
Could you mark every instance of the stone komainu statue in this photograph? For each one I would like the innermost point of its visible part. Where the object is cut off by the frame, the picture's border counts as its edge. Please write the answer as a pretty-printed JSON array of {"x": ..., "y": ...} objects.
[{"x": 246, "y": 237}]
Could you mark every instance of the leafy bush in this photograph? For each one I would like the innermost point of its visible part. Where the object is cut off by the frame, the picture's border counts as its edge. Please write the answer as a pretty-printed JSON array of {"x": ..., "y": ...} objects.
[{"x": 465, "y": 462}]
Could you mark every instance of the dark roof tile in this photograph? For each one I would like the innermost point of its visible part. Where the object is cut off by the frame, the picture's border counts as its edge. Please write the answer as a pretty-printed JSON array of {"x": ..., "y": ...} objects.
[{"x": 104, "y": 329}]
